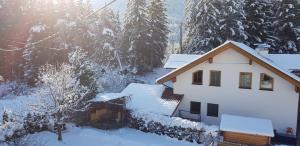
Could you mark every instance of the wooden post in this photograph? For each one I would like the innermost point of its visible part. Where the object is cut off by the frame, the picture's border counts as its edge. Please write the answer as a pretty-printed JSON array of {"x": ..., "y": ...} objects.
[
  {"x": 210, "y": 60},
  {"x": 174, "y": 79}
]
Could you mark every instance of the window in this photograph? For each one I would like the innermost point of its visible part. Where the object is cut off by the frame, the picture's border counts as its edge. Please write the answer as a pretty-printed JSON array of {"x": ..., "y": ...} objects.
[
  {"x": 212, "y": 110},
  {"x": 198, "y": 77},
  {"x": 245, "y": 80},
  {"x": 195, "y": 107},
  {"x": 215, "y": 78},
  {"x": 266, "y": 82}
]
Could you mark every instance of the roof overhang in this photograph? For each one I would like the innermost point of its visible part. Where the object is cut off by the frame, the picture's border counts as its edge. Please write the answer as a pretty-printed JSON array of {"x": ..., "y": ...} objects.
[{"x": 230, "y": 45}]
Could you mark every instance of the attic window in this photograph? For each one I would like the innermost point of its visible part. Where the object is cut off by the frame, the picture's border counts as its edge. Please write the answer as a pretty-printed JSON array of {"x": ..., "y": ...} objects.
[
  {"x": 198, "y": 77},
  {"x": 266, "y": 82}
]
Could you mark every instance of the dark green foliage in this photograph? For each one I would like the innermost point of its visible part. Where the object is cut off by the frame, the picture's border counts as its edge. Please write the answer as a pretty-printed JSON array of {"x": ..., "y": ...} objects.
[{"x": 159, "y": 32}]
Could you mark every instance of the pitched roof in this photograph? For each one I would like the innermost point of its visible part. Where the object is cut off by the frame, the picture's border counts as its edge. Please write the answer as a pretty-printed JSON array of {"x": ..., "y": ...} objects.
[
  {"x": 178, "y": 60},
  {"x": 246, "y": 125},
  {"x": 285, "y": 61},
  {"x": 242, "y": 49}
]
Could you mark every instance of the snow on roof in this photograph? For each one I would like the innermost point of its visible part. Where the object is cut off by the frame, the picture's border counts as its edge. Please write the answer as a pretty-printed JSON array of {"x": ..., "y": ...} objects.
[
  {"x": 264, "y": 59},
  {"x": 285, "y": 61},
  {"x": 107, "y": 97},
  {"x": 179, "y": 60},
  {"x": 147, "y": 98},
  {"x": 246, "y": 125}
]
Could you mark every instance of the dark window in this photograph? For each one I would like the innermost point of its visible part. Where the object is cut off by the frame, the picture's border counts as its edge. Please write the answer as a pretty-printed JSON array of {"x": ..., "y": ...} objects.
[
  {"x": 212, "y": 110},
  {"x": 215, "y": 78},
  {"x": 198, "y": 77},
  {"x": 195, "y": 107},
  {"x": 266, "y": 82},
  {"x": 245, "y": 80}
]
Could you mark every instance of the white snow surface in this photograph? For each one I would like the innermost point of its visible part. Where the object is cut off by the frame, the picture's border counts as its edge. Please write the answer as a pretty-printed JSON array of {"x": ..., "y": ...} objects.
[
  {"x": 147, "y": 98},
  {"x": 285, "y": 61},
  {"x": 86, "y": 136},
  {"x": 103, "y": 97},
  {"x": 18, "y": 106},
  {"x": 178, "y": 60},
  {"x": 246, "y": 125}
]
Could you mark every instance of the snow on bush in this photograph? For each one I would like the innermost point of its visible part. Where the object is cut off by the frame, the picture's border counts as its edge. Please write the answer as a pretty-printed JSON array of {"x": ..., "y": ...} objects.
[
  {"x": 175, "y": 127},
  {"x": 175, "y": 121},
  {"x": 38, "y": 28},
  {"x": 8, "y": 129}
]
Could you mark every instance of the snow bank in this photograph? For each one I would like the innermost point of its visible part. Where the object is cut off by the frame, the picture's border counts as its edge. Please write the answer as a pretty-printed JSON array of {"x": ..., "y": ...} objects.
[
  {"x": 93, "y": 137},
  {"x": 246, "y": 125},
  {"x": 147, "y": 98}
]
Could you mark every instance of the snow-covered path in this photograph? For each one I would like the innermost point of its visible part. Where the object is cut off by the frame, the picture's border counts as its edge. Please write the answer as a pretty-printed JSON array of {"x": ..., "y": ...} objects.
[{"x": 86, "y": 136}]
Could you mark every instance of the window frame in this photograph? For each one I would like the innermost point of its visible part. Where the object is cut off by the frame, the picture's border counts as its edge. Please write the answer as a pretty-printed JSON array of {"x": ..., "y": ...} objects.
[
  {"x": 209, "y": 114},
  {"x": 196, "y": 73},
  {"x": 260, "y": 82},
  {"x": 210, "y": 78},
  {"x": 240, "y": 80},
  {"x": 197, "y": 112}
]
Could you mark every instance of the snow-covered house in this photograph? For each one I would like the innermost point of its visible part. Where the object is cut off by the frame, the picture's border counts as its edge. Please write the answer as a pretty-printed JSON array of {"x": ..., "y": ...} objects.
[{"x": 237, "y": 80}]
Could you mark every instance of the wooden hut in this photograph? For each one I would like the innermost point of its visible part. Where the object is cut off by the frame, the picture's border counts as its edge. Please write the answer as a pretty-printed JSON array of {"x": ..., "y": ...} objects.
[
  {"x": 106, "y": 111},
  {"x": 246, "y": 130}
]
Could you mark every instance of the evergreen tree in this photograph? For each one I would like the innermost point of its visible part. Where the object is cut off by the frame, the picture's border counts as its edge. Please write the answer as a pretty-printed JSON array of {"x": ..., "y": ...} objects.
[
  {"x": 109, "y": 44},
  {"x": 83, "y": 70},
  {"x": 285, "y": 24},
  {"x": 211, "y": 24},
  {"x": 159, "y": 32},
  {"x": 136, "y": 45}
]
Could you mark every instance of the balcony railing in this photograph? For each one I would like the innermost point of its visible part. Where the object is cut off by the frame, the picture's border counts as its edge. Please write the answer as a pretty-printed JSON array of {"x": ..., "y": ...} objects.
[{"x": 190, "y": 116}]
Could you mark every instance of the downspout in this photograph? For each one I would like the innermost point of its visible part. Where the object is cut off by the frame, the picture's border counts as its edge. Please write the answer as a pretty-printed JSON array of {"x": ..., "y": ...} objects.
[{"x": 298, "y": 124}]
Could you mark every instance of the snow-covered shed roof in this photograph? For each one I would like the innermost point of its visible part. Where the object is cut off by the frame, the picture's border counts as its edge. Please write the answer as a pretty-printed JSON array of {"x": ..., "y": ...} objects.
[
  {"x": 285, "y": 61},
  {"x": 243, "y": 49},
  {"x": 104, "y": 97},
  {"x": 178, "y": 60},
  {"x": 147, "y": 98},
  {"x": 246, "y": 125}
]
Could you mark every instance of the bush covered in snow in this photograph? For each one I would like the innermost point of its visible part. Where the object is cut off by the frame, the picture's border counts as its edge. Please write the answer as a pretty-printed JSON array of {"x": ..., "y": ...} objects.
[
  {"x": 174, "y": 127},
  {"x": 13, "y": 128}
]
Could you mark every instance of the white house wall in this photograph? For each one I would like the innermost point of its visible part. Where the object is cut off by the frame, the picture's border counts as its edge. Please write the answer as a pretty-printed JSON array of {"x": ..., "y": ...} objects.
[{"x": 280, "y": 105}]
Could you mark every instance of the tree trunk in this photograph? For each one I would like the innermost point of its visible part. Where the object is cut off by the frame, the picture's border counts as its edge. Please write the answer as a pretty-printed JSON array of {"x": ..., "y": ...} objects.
[
  {"x": 59, "y": 132},
  {"x": 59, "y": 127}
]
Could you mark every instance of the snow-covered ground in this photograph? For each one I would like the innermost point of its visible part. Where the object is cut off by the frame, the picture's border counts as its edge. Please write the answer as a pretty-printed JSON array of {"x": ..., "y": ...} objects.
[
  {"x": 86, "y": 136},
  {"x": 18, "y": 106}
]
